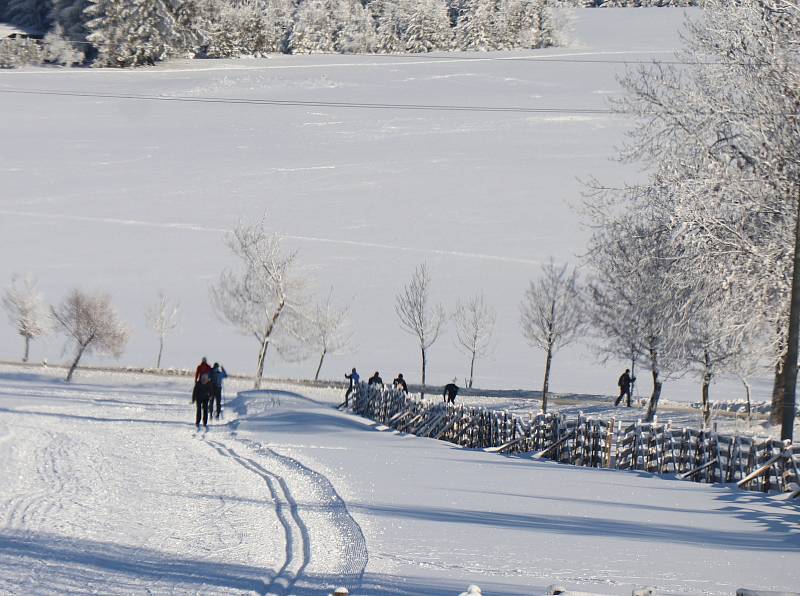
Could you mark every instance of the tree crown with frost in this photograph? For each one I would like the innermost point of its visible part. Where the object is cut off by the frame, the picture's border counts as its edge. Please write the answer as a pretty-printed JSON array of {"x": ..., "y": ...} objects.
[
  {"x": 264, "y": 293},
  {"x": 26, "y": 309},
  {"x": 551, "y": 315},
  {"x": 91, "y": 325}
]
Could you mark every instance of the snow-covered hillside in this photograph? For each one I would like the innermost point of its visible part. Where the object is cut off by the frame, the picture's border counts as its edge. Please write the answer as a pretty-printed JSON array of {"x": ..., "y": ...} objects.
[
  {"x": 108, "y": 489},
  {"x": 132, "y": 196}
]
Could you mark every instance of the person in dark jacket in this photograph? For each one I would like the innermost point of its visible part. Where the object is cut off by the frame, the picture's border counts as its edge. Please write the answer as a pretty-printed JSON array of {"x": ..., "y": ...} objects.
[
  {"x": 201, "y": 396},
  {"x": 217, "y": 376},
  {"x": 375, "y": 379},
  {"x": 624, "y": 384},
  {"x": 400, "y": 384},
  {"x": 450, "y": 392}
]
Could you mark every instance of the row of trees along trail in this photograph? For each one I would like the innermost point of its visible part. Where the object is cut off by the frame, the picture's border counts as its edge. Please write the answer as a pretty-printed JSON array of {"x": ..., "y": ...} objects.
[{"x": 701, "y": 263}]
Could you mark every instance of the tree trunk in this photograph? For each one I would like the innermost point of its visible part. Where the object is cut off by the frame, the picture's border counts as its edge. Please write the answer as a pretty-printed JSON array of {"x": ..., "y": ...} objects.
[
  {"x": 707, "y": 375},
  {"x": 424, "y": 364},
  {"x": 747, "y": 394},
  {"x": 546, "y": 384},
  {"x": 160, "y": 351},
  {"x": 264, "y": 339},
  {"x": 75, "y": 362},
  {"x": 793, "y": 337},
  {"x": 652, "y": 407},
  {"x": 776, "y": 409},
  {"x": 471, "y": 370},
  {"x": 319, "y": 368},
  {"x": 262, "y": 356},
  {"x": 633, "y": 376},
  {"x": 27, "y": 348}
]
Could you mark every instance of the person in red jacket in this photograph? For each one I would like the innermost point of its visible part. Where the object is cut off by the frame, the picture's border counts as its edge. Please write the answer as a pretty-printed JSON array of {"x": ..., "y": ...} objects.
[{"x": 202, "y": 369}]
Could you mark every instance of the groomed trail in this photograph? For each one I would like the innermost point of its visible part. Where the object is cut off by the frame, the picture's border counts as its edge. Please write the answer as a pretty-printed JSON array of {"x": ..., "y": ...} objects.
[{"x": 114, "y": 492}]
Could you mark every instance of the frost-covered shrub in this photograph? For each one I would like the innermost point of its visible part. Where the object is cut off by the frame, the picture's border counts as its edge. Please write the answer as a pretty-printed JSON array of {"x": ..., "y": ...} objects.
[
  {"x": 20, "y": 51},
  {"x": 57, "y": 50}
]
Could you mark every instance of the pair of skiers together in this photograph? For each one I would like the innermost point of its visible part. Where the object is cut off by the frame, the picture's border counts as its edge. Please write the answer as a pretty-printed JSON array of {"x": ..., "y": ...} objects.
[{"x": 207, "y": 390}]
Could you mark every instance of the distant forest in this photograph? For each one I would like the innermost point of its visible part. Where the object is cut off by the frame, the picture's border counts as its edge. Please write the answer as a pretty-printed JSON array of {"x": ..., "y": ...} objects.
[{"x": 121, "y": 33}]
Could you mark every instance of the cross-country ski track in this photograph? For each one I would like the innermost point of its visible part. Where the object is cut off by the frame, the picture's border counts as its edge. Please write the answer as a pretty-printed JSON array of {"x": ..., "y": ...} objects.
[{"x": 109, "y": 489}]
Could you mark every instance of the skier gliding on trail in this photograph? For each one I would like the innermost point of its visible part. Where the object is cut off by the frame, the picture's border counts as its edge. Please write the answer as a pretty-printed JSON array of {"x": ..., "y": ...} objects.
[
  {"x": 217, "y": 375},
  {"x": 202, "y": 395},
  {"x": 624, "y": 384}
]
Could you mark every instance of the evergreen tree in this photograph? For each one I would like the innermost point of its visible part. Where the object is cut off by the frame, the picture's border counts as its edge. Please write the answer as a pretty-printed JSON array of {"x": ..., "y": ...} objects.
[
  {"x": 392, "y": 18},
  {"x": 355, "y": 28},
  {"x": 314, "y": 28},
  {"x": 475, "y": 29},
  {"x": 429, "y": 27},
  {"x": 33, "y": 14},
  {"x": 70, "y": 16},
  {"x": 130, "y": 32}
]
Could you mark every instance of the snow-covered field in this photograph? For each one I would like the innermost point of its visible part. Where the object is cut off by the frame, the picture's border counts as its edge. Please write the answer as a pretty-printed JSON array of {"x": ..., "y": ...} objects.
[
  {"x": 107, "y": 489},
  {"x": 132, "y": 196}
]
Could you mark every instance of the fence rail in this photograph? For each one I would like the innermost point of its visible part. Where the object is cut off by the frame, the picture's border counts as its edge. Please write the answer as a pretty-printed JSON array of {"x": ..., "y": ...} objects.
[{"x": 690, "y": 454}]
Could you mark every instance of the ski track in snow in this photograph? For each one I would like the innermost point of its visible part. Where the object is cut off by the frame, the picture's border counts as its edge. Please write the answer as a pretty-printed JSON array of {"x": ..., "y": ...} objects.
[
  {"x": 114, "y": 493},
  {"x": 200, "y": 228}
]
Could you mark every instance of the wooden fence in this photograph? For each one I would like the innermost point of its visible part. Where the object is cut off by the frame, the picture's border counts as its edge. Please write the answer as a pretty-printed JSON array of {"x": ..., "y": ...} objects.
[{"x": 690, "y": 454}]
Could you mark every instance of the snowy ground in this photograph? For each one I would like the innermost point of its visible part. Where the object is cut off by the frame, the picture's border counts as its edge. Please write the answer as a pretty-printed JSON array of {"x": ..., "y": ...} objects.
[
  {"x": 132, "y": 196},
  {"x": 107, "y": 489}
]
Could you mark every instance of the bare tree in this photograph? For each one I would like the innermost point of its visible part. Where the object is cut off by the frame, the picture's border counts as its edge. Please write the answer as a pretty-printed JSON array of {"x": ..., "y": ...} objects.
[
  {"x": 266, "y": 291},
  {"x": 475, "y": 321},
  {"x": 162, "y": 317},
  {"x": 417, "y": 316},
  {"x": 550, "y": 314},
  {"x": 26, "y": 310},
  {"x": 91, "y": 324},
  {"x": 328, "y": 329}
]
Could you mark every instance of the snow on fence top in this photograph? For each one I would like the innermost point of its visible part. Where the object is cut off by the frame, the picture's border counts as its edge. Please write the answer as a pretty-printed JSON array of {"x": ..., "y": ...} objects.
[{"x": 698, "y": 455}]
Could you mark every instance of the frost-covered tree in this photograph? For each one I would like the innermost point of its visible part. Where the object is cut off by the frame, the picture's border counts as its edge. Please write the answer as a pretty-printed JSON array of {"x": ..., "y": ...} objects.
[
  {"x": 516, "y": 24},
  {"x": 32, "y": 14},
  {"x": 428, "y": 27},
  {"x": 26, "y": 310},
  {"x": 551, "y": 315},
  {"x": 634, "y": 306},
  {"x": 130, "y": 32},
  {"x": 711, "y": 342},
  {"x": 266, "y": 290},
  {"x": 392, "y": 20},
  {"x": 70, "y": 16},
  {"x": 476, "y": 26},
  {"x": 314, "y": 27},
  {"x": 356, "y": 28},
  {"x": 724, "y": 133},
  {"x": 328, "y": 329},
  {"x": 162, "y": 317},
  {"x": 418, "y": 316},
  {"x": 91, "y": 325},
  {"x": 474, "y": 321},
  {"x": 57, "y": 50}
]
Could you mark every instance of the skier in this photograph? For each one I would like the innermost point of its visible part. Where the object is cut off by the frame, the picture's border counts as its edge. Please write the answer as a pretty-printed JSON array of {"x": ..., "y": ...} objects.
[
  {"x": 400, "y": 384},
  {"x": 201, "y": 396},
  {"x": 450, "y": 392},
  {"x": 624, "y": 384},
  {"x": 218, "y": 375},
  {"x": 354, "y": 379},
  {"x": 375, "y": 379}
]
